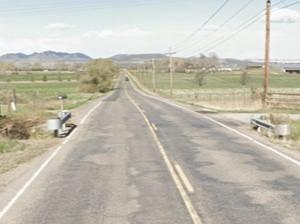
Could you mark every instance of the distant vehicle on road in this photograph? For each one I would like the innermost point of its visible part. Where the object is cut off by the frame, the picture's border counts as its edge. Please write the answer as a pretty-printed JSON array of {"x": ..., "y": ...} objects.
[{"x": 126, "y": 79}]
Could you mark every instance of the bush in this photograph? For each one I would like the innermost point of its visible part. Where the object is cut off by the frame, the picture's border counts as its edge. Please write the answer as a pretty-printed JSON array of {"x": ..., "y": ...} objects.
[
  {"x": 45, "y": 78},
  {"x": 200, "y": 78},
  {"x": 59, "y": 78},
  {"x": 16, "y": 128},
  {"x": 99, "y": 76}
]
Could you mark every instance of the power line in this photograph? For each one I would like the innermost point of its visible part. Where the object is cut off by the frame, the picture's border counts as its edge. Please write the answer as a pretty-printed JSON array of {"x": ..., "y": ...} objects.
[
  {"x": 234, "y": 15},
  {"x": 242, "y": 27},
  {"x": 54, "y": 9},
  {"x": 215, "y": 13},
  {"x": 292, "y": 4}
]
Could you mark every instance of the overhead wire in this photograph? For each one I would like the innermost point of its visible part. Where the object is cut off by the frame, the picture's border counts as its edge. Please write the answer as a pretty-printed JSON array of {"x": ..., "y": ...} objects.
[
  {"x": 228, "y": 20},
  {"x": 244, "y": 28},
  {"x": 199, "y": 29},
  {"x": 238, "y": 30},
  {"x": 54, "y": 9}
]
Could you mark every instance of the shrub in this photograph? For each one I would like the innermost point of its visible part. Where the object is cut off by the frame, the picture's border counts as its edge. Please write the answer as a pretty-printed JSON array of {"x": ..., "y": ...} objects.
[
  {"x": 99, "y": 76},
  {"x": 45, "y": 78},
  {"x": 200, "y": 78}
]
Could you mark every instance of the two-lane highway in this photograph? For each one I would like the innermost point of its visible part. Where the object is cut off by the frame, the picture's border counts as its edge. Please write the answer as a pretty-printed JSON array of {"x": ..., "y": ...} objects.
[
  {"x": 140, "y": 160},
  {"x": 235, "y": 179}
]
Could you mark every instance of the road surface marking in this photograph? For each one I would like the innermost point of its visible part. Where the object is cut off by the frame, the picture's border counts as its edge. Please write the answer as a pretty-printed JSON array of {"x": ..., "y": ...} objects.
[
  {"x": 185, "y": 197},
  {"x": 28, "y": 183},
  {"x": 35, "y": 175},
  {"x": 95, "y": 107},
  {"x": 154, "y": 127},
  {"x": 184, "y": 178},
  {"x": 69, "y": 137},
  {"x": 90, "y": 112},
  {"x": 269, "y": 148}
]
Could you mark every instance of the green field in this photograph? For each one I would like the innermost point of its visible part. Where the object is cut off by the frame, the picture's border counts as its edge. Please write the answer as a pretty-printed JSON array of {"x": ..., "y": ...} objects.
[
  {"x": 42, "y": 96},
  {"x": 222, "y": 91},
  {"x": 39, "y": 76},
  {"x": 220, "y": 80}
]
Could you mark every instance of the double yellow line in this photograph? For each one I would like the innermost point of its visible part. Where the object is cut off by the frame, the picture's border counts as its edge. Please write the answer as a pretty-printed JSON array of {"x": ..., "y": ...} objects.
[{"x": 178, "y": 177}]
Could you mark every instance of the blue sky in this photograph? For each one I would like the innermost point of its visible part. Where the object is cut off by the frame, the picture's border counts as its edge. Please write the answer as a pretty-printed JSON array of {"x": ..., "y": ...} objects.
[{"x": 101, "y": 28}]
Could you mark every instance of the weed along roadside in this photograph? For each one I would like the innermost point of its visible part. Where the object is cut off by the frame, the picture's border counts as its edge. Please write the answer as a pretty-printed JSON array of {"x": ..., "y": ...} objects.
[{"x": 26, "y": 106}]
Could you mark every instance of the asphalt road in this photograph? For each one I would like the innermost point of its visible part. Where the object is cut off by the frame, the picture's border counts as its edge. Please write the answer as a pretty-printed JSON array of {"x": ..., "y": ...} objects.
[{"x": 140, "y": 160}]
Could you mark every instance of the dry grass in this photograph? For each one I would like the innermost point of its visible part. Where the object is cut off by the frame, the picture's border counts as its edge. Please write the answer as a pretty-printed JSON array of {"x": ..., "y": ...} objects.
[
  {"x": 23, "y": 152},
  {"x": 228, "y": 99},
  {"x": 295, "y": 128}
]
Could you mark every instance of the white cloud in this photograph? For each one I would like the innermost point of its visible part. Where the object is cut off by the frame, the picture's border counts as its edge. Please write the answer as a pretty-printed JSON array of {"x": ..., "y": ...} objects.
[
  {"x": 285, "y": 16},
  {"x": 135, "y": 32},
  {"x": 60, "y": 26}
]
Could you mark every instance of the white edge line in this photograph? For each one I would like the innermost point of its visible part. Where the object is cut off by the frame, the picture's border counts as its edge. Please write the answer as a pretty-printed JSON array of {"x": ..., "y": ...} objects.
[
  {"x": 28, "y": 183},
  {"x": 95, "y": 107},
  {"x": 296, "y": 162},
  {"x": 90, "y": 112},
  {"x": 44, "y": 165},
  {"x": 184, "y": 178}
]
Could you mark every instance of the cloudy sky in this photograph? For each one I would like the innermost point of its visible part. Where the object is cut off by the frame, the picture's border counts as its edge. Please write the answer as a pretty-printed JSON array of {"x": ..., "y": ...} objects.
[{"x": 102, "y": 28}]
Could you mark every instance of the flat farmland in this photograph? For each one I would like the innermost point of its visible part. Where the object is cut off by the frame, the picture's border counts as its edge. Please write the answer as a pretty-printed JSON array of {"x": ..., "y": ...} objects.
[
  {"x": 40, "y": 76},
  {"x": 220, "y": 80}
]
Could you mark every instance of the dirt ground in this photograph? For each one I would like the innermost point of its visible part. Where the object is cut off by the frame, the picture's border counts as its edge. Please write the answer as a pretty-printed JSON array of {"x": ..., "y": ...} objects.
[{"x": 31, "y": 149}]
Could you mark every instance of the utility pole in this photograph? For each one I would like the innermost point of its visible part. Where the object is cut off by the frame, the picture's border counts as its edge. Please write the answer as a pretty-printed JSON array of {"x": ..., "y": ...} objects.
[
  {"x": 267, "y": 51},
  {"x": 153, "y": 75},
  {"x": 171, "y": 71}
]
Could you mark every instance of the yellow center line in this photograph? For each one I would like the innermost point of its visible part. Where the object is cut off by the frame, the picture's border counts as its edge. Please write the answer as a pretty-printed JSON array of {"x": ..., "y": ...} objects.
[
  {"x": 184, "y": 178},
  {"x": 184, "y": 195},
  {"x": 154, "y": 127}
]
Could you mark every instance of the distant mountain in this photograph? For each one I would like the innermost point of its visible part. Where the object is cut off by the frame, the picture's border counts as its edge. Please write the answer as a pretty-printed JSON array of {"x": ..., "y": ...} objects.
[
  {"x": 46, "y": 56},
  {"x": 135, "y": 58},
  {"x": 13, "y": 57}
]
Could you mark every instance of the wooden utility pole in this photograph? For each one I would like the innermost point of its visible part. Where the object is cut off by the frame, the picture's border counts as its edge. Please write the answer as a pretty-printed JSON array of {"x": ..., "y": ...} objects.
[
  {"x": 153, "y": 75},
  {"x": 267, "y": 51},
  {"x": 171, "y": 71}
]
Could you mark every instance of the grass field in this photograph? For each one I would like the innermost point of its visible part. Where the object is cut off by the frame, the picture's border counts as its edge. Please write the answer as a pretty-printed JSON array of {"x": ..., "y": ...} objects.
[
  {"x": 222, "y": 90},
  {"x": 42, "y": 95},
  {"x": 39, "y": 76},
  {"x": 220, "y": 80}
]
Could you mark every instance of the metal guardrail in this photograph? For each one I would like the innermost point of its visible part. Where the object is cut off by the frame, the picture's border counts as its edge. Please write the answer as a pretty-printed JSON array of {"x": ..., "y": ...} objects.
[
  {"x": 282, "y": 130},
  {"x": 259, "y": 123},
  {"x": 58, "y": 125}
]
